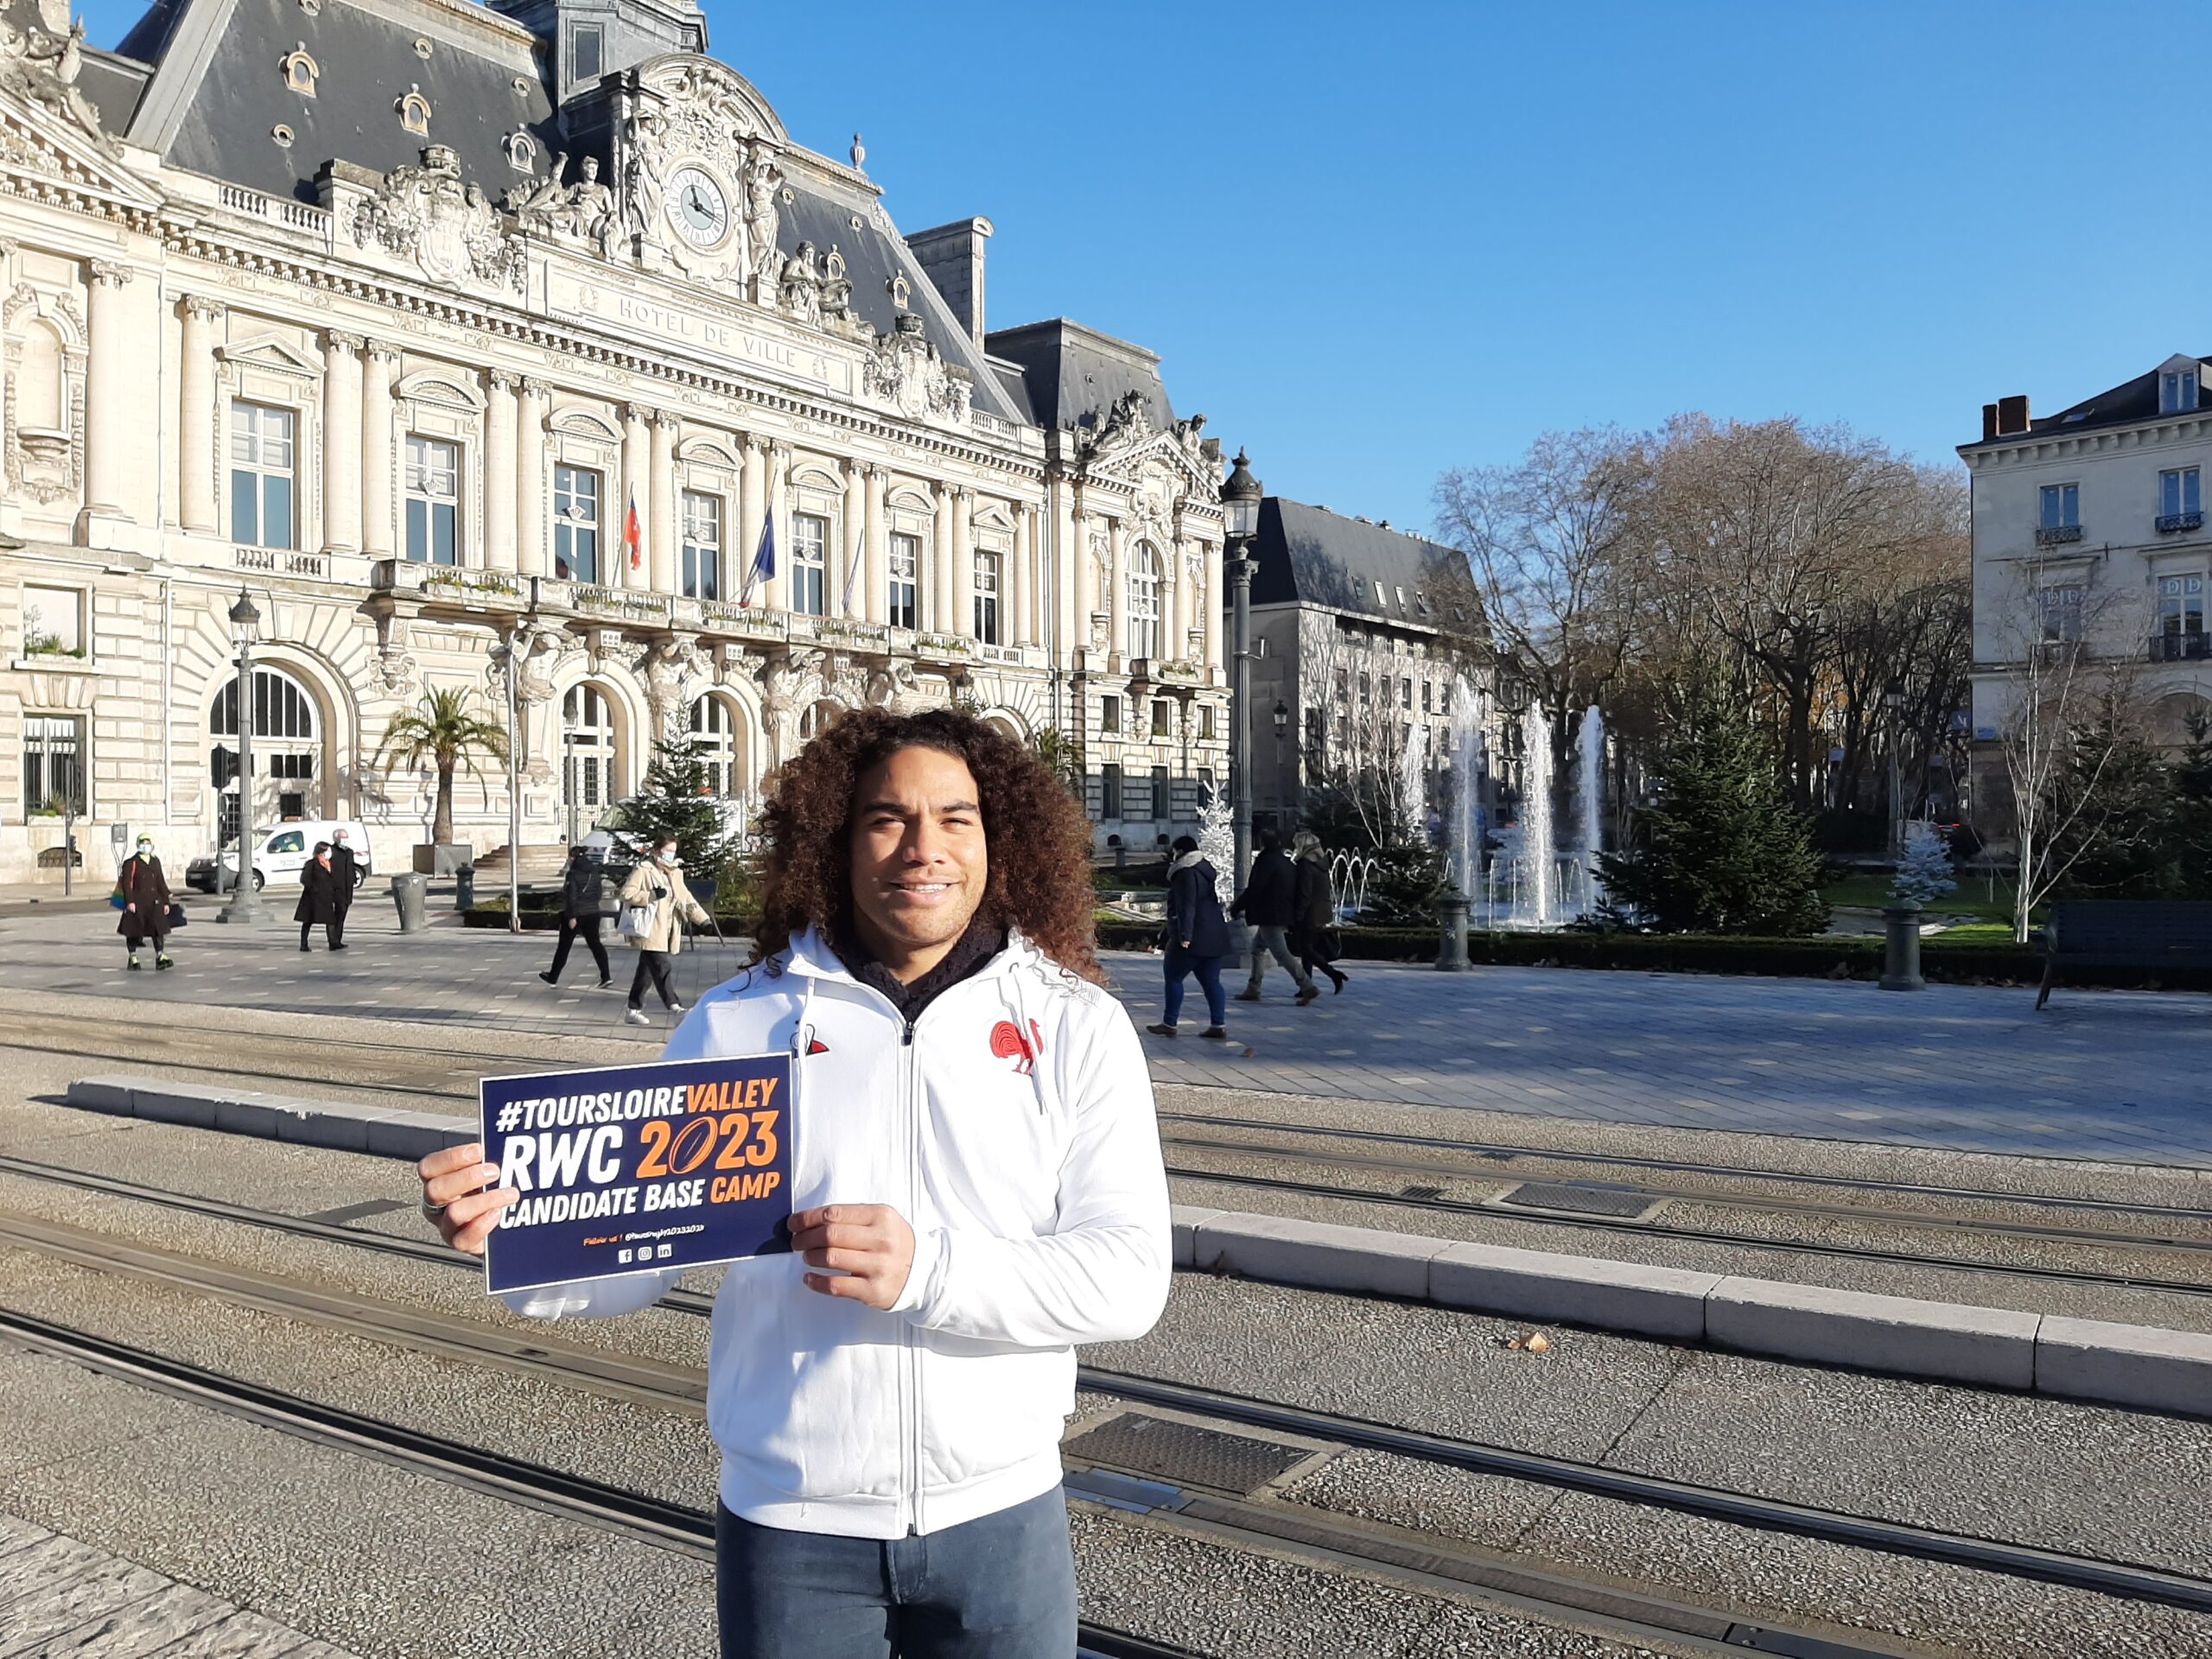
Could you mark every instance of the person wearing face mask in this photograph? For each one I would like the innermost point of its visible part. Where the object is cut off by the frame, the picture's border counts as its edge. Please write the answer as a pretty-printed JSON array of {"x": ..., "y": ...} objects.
[
  {"x": 657, "y": 884},
  {"x": 344, "y": 875},
  {"x": 144, "y": 892},
  {"x": 318, "y": 897}
]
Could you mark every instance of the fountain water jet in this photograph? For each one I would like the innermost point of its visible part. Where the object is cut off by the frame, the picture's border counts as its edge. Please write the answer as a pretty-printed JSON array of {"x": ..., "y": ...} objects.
[
  {"x": 1589, "y": 764},
  {"x": 1537, "y": 850}
]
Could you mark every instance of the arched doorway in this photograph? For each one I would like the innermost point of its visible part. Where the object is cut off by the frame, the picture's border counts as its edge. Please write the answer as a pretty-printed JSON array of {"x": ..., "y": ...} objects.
[
  {"x": 589, "y": 777},
  {"x": 715, "y": 740},
  {"x": 818, "y": 717},
  {"x": 289, "y": 773}
]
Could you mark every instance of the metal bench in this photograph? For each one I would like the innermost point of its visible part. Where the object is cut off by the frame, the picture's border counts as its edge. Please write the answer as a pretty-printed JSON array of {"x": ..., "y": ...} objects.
[{"x": 2149, "y": 934}]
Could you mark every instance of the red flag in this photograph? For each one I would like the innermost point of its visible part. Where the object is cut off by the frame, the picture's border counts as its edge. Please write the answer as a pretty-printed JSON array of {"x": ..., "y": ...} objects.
[{"x": 633, "y": 535}]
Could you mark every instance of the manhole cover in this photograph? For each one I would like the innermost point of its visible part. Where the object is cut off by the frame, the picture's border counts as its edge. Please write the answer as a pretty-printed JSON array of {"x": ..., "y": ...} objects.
[
  {"x": 1420, "y": 1191},
  {"x": 1581, "y": 1200},
  {"x": 1185, "y": 1453}
]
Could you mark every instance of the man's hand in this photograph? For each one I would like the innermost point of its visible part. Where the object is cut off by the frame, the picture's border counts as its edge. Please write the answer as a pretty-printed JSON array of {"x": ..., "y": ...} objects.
[
  {"x": 456, "y": 1179},
  {"x": 869, "y": 1248}
]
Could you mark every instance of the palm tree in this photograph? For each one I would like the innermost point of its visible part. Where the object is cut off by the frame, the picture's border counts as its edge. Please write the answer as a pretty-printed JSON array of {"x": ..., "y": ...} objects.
[{"x": 444, "y": 733}]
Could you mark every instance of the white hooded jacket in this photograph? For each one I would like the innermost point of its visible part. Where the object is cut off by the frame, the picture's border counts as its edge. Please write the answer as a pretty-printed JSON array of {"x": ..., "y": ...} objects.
[{"x": 1012, "y": 1124}]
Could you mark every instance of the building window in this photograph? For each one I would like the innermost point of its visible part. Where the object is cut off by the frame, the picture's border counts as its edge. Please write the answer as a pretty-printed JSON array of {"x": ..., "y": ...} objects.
[
  {"x": 576, "y": 523},
  {"x": 2181, "y": 617},
  {"x": 1162, "y": 809},
  {"x": 2177, "y": 391},
  {"x": 810, "y": 563},
  {"x": 715, "y": 743},
  {"x": 1109, "y": 714},
  {"x": 1405, "y": 695},
  {"x": 2181, "y": 498},
  {"x": 414, "y": 112},
  {"x": 2060, "y": 517},
  {"x": 586, "y": 754},
  {"x": 2061, "y": 611},
  {"x": 986, "y": 598},
  {"x": 1137, "y": 798},
  {"x": 1161, "y": 717},
  {"x": 300, "y": 71},
  {"x": 1205, "y": 786},
  {"x": 261, "y": 476},
  {"x": 1444, "y": 699},
  {"x": 1343, "y": 688},
  {"x": 1427, "y": 698},
  {"x": 1144, "y": 602},
  {"x": 1109, "y": 790},
  {"x": 583, "y": 51},
  {"x": 703, "y": 545},
  {"x": 433, "y": 501},
  {"x": 905, "y": 566},
  {"x": 1205, "y": 719},
  {"x": 54, "y": 764},
  {"x": 54, "y": 622},
  {"x": 1366, "y": 690}
]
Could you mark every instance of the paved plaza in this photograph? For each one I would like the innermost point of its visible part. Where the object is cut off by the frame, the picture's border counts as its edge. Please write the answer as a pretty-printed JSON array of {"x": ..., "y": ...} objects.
[{"x": 2100, "y": 1074}]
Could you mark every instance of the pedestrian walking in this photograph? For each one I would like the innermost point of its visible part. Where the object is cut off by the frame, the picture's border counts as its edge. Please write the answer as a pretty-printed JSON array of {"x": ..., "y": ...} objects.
[
  {"x": 1197, "y": 938},
  {"x": 318, "y": 898},
  {"x": 888, "y": 1399},
  {"x": 1313, "y": 933},
  {"x": 144, "y": 892},
  {"x": 1268, "y": 904},
  {"x": 345, "y": 876},
  {"x": 583, "y": 907},
  {"x": 659, "y": 903}
]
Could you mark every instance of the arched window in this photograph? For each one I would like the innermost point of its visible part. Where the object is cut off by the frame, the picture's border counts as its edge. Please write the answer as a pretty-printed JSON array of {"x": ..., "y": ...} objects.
[
  {"x": 1144, "y": 601},
  {"x": 713, "y": 740},
  {"x": 286, "y": 746},
  {"x": 819, "y": 717},
  {"x": 587, "y": 756},
  {"x": 414, "y": 112},
  {"x": 301, "y": 70}
]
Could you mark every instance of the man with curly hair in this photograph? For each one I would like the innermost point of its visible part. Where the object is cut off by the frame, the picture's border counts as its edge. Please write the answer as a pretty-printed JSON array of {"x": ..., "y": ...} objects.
[{"x": 978, "y": 1188}]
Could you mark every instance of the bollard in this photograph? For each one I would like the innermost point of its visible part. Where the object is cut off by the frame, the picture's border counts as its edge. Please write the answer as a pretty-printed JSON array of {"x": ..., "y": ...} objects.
[
  {"x": 1452, "y": 927},
  {"x": 464, "y": 887},
  {"x": 407, "y": 891},
  {"x": 1901, "y": 949}
]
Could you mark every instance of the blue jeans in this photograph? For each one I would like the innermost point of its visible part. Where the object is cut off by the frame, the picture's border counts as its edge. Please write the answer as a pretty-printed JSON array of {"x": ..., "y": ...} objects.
[
  {"x": 1001, "y": 1586},
  {"x": 1208, "y": 969}
]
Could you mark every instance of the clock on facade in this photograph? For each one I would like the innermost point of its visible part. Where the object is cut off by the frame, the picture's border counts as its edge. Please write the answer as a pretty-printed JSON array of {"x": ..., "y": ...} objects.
[{"x": 698, "y": 206}]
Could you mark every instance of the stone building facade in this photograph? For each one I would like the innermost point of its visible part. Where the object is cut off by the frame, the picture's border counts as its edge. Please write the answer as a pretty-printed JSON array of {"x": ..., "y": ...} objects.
[{"x": 472, "y": 340}]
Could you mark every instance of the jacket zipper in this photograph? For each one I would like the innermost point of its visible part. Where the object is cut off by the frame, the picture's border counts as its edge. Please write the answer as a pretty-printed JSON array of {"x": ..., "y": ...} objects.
[{"x": 911, "y": 1337}]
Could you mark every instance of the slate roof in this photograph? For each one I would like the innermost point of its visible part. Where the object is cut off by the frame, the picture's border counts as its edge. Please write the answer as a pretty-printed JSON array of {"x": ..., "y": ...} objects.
[
  {"x": 1073, "y": 374},
  {"x": 217, "y": 93},
  {"x": 1313, "y": 557},
  {"x": 2121, "y": 405}
]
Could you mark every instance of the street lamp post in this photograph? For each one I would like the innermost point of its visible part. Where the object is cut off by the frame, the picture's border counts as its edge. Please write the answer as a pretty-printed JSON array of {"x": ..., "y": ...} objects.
[
  {"x": 1282, "y": 785},
  {"x": 1893, "y": 700},
  {"x": 1240, "y": 514},
  {"x": 245, "y": 908},
  {"x": 510, "y": 655}
]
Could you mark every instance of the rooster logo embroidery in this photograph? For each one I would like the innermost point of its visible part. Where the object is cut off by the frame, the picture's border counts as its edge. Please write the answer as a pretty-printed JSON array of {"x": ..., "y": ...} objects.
[{"x": 1007, "y": 1043}]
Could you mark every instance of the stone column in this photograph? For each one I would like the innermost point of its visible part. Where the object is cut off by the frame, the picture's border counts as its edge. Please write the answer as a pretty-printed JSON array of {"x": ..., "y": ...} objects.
[
  {"x": 198, "y": 464},
  {"x": 1020, "y": 631},
  {"x": 114, "y": 385},
  {"x": 1211, "y": 600},
  {"x": 1067, "y": 580},
  {"x": 1178, "y": 643},
  {"x": 852, "y": 548},
  {"x": 501, "y": 479},
  {"x": 1117, "y": 592},
  {"x": 636, "y": 489},
  {"x": 375, "y": 450},
  {"x": 876, "y": 604},
  {"x": 1085, "y": 586},
  {"x": 529, "y": 480},
  {"x": 964, "y": 564},
  {"x": 936, "y": 615},
  {"x": 341, "y": 441},
  {"x": 663, "y": 528},
  {"x": 751, "y": 512}
]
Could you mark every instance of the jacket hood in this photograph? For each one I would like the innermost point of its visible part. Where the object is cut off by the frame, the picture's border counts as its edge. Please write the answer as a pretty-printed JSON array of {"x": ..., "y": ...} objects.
[{"x": 1190, "y": 861}]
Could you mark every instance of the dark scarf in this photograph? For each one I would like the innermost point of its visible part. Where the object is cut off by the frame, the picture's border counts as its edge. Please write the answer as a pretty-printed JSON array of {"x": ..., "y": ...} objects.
[{"x": 974, "y": 947}]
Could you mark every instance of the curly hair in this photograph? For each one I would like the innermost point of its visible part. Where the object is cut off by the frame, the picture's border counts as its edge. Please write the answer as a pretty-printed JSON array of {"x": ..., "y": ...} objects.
[{"x": 1036, "y": 835}]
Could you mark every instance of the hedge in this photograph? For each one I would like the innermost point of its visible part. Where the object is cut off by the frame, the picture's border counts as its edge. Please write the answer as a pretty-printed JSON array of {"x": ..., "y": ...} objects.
[{"x": 541, "y": 913}]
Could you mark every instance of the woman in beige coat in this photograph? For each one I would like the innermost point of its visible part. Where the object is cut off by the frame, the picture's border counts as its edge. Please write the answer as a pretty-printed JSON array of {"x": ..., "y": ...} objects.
[{"x": 657, "y": 884}]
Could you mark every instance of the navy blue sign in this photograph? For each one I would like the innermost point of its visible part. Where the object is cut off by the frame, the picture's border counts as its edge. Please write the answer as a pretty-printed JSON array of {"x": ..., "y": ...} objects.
[{"x": 635, "y": 1169}]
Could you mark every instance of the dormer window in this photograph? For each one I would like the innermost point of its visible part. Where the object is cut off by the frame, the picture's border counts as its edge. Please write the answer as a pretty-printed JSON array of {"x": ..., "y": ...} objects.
[
  {"x": 522, "y": 152},
  {"x": 583, "y": 51},
  {"x": 414, "y": 112},
  {"x": 300, "y": 70},
  {"x": 2177, "y": 391}
]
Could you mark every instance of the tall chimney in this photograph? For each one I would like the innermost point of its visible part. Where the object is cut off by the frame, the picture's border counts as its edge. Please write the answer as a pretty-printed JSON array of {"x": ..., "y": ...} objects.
[
  {"x": 951, "y": 256},
  {"x": 1989, "y": 421},
  {"x": 2011, "y": 415}
]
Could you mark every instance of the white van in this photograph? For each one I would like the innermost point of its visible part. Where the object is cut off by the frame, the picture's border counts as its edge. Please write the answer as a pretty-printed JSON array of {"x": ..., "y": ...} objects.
[{"x": 280, "y": 853}]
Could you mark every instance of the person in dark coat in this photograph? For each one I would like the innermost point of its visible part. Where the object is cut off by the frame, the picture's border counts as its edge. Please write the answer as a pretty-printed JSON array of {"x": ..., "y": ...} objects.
[
  {"x": 1266, "y": 903},
  {"x": 318, "y": 897},
  {"x": 1314, "y": 926},
  {"x": 1197, "y": 939},
  {"x": 583, "y": 907},
  {"x": 345, "y": 876},
  {"x": 145, "y": 894}
]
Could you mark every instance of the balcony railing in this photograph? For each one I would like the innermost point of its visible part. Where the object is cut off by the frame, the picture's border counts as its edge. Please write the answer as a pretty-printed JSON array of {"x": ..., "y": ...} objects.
[
  {"x": 2170, "y": 522},
  {"x": 2188, "y": 647},
  {"x": 2053, "y": 535}
]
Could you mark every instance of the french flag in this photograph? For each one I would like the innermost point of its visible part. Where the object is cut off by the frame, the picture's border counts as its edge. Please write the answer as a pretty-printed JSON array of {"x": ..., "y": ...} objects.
[
  {"x": 634, "y": 533},
  {"x": 764, "y": 561}
]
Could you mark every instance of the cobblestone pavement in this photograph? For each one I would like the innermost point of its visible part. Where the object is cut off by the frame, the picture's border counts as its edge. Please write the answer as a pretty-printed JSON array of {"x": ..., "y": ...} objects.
[{"x": 2115, "y": 1076}]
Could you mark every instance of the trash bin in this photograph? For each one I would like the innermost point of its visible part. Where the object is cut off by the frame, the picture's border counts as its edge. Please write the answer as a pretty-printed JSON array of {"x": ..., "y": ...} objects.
[
  {"x": 407, "y": 893},
  {"x": 464, "y": 887}
]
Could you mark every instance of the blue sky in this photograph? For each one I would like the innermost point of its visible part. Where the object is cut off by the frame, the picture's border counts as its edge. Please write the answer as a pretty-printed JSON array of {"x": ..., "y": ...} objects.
[{"x": 1371, "y": 241}]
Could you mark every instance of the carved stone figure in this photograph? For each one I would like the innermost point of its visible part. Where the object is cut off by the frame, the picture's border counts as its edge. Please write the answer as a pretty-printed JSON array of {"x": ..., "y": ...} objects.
[
  {"x": 40, "y": 66},
  {"x": 538, "y": 203},
  {"x": 764, "y": 181},
  {"x": 642, "y": 208},
  {"x": 671, "y": 666},
  {"x": 800, "y": 287},
  {"x": 1186, "y": 434},
  {"x": 908, "y": 370},
  {"x": 591, "y": 207},
  {"x": 889, "y": 684},
  {"x": 446, "y": 227}
]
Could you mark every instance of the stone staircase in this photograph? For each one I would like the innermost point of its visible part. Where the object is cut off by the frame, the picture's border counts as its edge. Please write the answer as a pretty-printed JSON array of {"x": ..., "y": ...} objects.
[{"x": 541, "y": 862}]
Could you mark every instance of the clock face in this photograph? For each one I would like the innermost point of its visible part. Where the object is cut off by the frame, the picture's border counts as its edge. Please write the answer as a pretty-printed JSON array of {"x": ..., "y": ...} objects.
[{"x": 699, "y": 207}]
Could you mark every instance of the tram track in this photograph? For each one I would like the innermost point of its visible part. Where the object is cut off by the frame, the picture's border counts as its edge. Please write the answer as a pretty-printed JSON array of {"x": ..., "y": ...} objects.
[{"x": 1543, "y": 1589}]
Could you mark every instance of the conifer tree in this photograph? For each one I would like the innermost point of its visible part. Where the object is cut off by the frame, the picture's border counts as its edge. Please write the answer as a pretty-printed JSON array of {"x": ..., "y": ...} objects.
[
  {"x": 1924, "y": 871},
  {"x": 678, "y": 803}
]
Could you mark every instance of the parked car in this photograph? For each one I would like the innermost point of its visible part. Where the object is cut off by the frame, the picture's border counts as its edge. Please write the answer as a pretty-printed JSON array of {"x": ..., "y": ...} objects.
[{"x": 280, "y": 853}]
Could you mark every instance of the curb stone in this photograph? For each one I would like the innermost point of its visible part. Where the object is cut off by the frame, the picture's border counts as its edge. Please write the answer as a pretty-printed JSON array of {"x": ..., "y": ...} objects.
[{"x": 2141, "y": 1367}]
